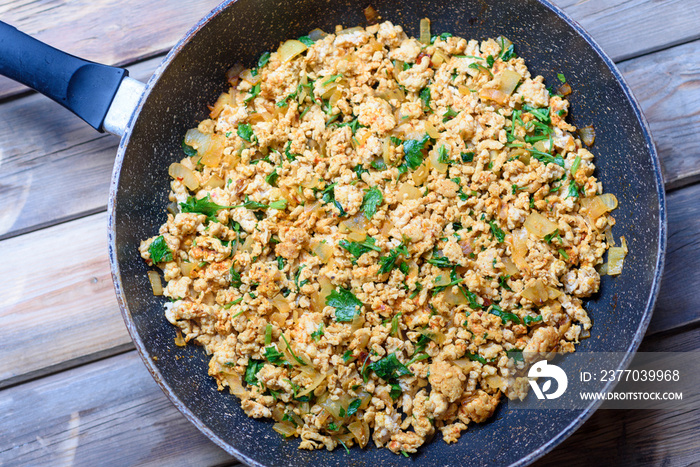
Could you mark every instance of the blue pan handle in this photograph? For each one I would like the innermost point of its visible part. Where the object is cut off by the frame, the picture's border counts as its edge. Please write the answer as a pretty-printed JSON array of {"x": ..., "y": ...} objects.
[{"x": 85, "y": 88}]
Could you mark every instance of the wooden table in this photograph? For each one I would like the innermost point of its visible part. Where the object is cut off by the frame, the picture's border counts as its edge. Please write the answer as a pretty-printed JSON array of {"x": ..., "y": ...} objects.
[{"x": 72, "y": 388}]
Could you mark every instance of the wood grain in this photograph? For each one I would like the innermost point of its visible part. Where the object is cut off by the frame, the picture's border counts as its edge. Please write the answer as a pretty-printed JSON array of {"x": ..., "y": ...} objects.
[
  {"x": 60, "y": 167},
  {"x": 113, "y": 32},
  {"x": 679, "y": 298},
  {"x": 57, "y": 306},
  {"x": 667, "y": 86},
  {"x": 630, "y": 28},
  {"x": 109, "y": 410}
]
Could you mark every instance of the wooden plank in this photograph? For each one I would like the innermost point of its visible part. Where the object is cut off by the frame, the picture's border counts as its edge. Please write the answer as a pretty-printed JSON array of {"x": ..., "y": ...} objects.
[
  {"x": 112, "y": 409},
  {"x": 667, "y": 85},
  {"x": 108, "y": 410},
  {"x": 679, "y": 298},
  {"x": 57, "y": 302},
  {"x": 113, "y": 32},
  {"x": 59, "y": 168},
  {"x": 630, "y": 28}
]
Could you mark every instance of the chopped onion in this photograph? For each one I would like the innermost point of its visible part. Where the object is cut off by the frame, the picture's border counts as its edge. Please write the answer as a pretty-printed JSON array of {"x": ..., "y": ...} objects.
[
  {"x": 349, "y": 30},
  {"x": 495, "y": 95},
  {"x": 455, "y": 299},
  {"x": 438, "y": 58},
  {"x": 156, "y": 284},
  {"x": 317, "y": 34},
  {"x": 609, "y": 237},
  {"x": 408, "y": 191},
  {"x": 616, "y": 258},
  {"x": 215, "y": 182},
  {"x": 247, "y": 245},
  {"x": 564, "y": 89},
  {"x": 323, "y": 250},
  {"x": 182, "y": 173},
  {"x": 371, "y": 15},
  {"x": 435, "y": 162},
  {"x": 519, "y": 247},
  {"x": 587, "y": 134},
  {"x": 507, "y": 81},
  {"x": 430, "y": 129},
  {"x": 386, "y": 151},
  {"x": 333, "y": 407},
  {"x": 247, "y": 75},
  {"x": 420, "y": 175},
  {"x": 360, "y": 430},
  {"x": 179, "y": 341},
  {"x": 198, "y": 140},
  {"x": 511, "y": 268},
  {"x": 357, "y": 223},
  {"x": 212, "y": 157},
  {"x": 601, "y": 204},
  {"x": 235, "y": 386},
  {"x": 285, "y": 428},
  {"x": 356, "y": 236},
  {"x": 436, "y": 336},
  {"x": 233, "y": 74},
  {"x": 537, "y": 293},
  {"x": 504, "y": 42},
  {"x": 539, "y": 226},
  {"x": 543, "y": 146},
  {"x": 223, "y": 100},
  {"x": 465, "y": 364},
  {"x": 316, "y": 381},
  {"x": 290, "y": 49},
  {"x": 280, "y": 303},
  {"x": 186, "y": 269},
  {"x": 425, "y": 31}
]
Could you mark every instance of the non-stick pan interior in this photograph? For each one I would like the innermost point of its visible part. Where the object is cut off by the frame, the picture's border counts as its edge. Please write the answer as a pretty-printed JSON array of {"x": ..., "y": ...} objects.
[{"x": 241, "y": 31}]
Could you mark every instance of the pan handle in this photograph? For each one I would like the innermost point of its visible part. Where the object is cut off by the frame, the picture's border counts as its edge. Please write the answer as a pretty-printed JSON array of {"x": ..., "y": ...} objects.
[{"x": 85, "y": 88}]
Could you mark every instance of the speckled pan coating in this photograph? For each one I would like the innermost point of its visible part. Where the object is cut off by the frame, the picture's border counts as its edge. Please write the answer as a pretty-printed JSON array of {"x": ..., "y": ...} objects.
[{"x": 193, "y": 74}]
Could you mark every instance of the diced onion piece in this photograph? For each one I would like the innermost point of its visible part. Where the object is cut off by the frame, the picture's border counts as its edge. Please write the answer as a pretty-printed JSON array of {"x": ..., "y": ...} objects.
[
  {"x": 212, "y": 157},
  {"x": 537, "y": 293},
  {"x": 198, "y": 140},
  {"x": 543, "y": 146},
  {"x": 328, "y": 90},
  {"x": 247, "y": 75},
  {"x": 333, "y": 407},
  {"x": 179, "y": 341},
  {"x": 430, "y": 129},
  {"x": 610, "y": 240},
  {"x": 277, "y": 413},
  {"x": 442, "y": 279},
  {"x": 316, "y": 381},
  {"x": 247, "y": 245},
  {"x": 386, "y": 151},
  {"x": 564, "y": 89},
  {"x": 518, "y": 242},
  {"x": 371, "y": 15},
  {"x": 436, "y": 336},
  {"x": 511, "y": 268},
  {"x": 603, "y": 269},
  {"x": 223, "y": 100},
  {"x": 215, "y": 182},
  {"x": 312, "y": 207},
  {"x": 507, "y": 81},
  {"x": 357, "y": 322},
  {"x": 394, "y": 93},
  {"x": 539, "y": 226},
  {"x": 357, "y": 223},
  {"x": 235, "y": 386},
  {"x": 495, "y": 95},
  {"x": 587, "y": 134},
  {"x": 360, "y": 430},
  {"x": 495, "y": 382},
  {"x": 180, "y": 172},
  {"x": 435, "y": 162},
  {"x": 156, "y": 284},
  {"x": 323, "y": 250},
  {"x": 438, "y": 58},
  {"x": 601, "y": 204},
  {"x": 504, "y": 42},
  {"x": 408, "y": 191},
  {"x": 280, "y": 303},
  {"x": 465, "y": 364},
  {"x": 233, "y": 74},
  {"x": 335, "y": 97},
  {"x": 420, "y": 175},
  {"x": 290, "y": 49},
  {"x": 349, "y": 30},
  {"x": 523, "y": 155},
  {"x": 186, "y": 269},
  {"x": 455, "y": 299},
  {"x": 317, "y": 34},
  {"x": 616, "y": 259},
  {"x": 285, "y": 428},
  {"x": 553, "y": 293},
  {"x": 425, "y": 31}
]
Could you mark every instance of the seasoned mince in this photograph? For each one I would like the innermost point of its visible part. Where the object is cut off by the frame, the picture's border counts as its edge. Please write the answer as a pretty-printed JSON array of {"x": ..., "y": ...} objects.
[{"x": 370, "y": 230}]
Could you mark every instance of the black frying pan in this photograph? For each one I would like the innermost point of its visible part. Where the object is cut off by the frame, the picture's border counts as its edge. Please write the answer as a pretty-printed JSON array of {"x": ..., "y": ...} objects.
[{"x": 193, "y": 74}]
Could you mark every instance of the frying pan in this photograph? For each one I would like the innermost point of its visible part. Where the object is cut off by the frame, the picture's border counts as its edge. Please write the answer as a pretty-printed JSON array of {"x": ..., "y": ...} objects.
[{"x": 153, "y": 118}]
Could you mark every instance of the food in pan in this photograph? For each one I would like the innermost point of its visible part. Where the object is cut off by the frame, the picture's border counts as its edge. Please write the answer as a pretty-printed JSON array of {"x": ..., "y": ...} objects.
[{"x": 371, "y": 229}]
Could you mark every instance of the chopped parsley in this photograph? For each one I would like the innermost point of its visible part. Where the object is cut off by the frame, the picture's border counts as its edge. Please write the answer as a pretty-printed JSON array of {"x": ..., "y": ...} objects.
[
  {"x": 245, "y": 131},
  {"x": 251, "y": 371},
  {"x": 290, "y": 157},
  {"x": 389, "y": 368},
  {"x": 504, "y": 315},
  {"x": 575, "y": 165},
  {"x": 280, "y": 263},
  {"x": 475, "y": 357},
  {"x": 502, "y": 281},
  {"x": 318, "y": 333},
  {"x": 424, "y": 96},
  {"x": 306, "y": 40},
  {"x": 235, "y": 278},
  {"x": 561, "y": 77},
  {"x": 467, "y": 156},
  {"x": 332, "y": 79},
  {"x": 264, "y": 58},
  {"x": 189, "y": 150},
  {"x": 159, "y": 250},
  {"x": 450, "y": 114},
  {"x": 540, "y": 114},
  {"x": 554, "y": 235},
  {"x": 300, "y": 361},
  {"x": 371, "y": 200},
  {"x": 515, "y": 354},
  {"x": 530, "y": 320},
  {"x": 202, "y": 206},
  {"x": 413, "y": 151},
  {"x": 274, "y": 356},
  {"x": 353, "y": 406},
  {"x": 255, "y": 205},
  {"x": 272, "y": 178},
  {"x": 506, "y": 52},
  {"x": 395, "y": 391},
  {"x": 440, "y": 261},
  {"x": 346, "y": 304},
  {"x": 497, "y": 232},
  {"x": 358, "y": 249},
  {"x": 388, "y": 262},
  {"x": 328, "y": 196},
  {"x": 471, "y": 297},
  {"x": 254, "y": 92},
  {"x": 490, "y": 61}
]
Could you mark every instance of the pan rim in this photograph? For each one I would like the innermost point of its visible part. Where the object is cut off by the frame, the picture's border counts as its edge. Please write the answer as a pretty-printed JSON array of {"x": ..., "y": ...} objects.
[{"x": 584, "y": 414}]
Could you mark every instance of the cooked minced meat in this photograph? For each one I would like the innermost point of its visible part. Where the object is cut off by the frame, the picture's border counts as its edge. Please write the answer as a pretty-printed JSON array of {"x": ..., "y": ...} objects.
[{"x": 370, "y": 230}]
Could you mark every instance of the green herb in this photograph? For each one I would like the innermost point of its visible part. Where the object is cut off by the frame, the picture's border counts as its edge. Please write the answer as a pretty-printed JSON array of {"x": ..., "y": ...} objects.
[
  {"x": 563, "y": 253},
  {"x": 290, "y": 157},
  {"x": 442, "y": 36},
  {"x": 424, "y": 96},
  {"x": 454, "y": 280},
  {"x": 575, "y": 165},
  {"x": 296, "y": 278},
  {"x": 318, "y": 333},
  {"x": 328, "y": 196},
  {"x": 371, "y": 200},
  {"x": 413, "y": 151},
  {"x": 272, "y": 178},
  {"x": 573, "y": 191},
  {"x": 254, "y": 205},
  {"x": 234, "y": 302},
  {"x": 396, "y": 141},
  {"x": 502, "y": 282},
  {"x": 404, "y": 453},
  {"x": 251, "y": 371},
  {"x": 443, "y": 156},
  {"x": 546, "y": 158},
  {"x": 332, "y": 79},
  {"x": 264, "y": 58},
  {"x": 189, "y": 150},
  {"x": 274, "y": 356},
  {"x": 353, "y": 406},
  {"x": 471, "y": 297},
  {"x": 497, "y": 232},
  {"x": 475, "y": 358},
  {"x": 245, "y": 131},
  {"x": 450, "y": 114},
  {"x": 552, "y": 236},
  {"x": 306, "y": 40},
  {"x": 467, "y": 156},
  {"x": 202, "y": 206},
  {"x": 280, "y": 263},
  {"x": 268, "y": 334},
  {"x": 347, "y": 356},
  {"x": 388, "y": 262},
  {"x": 395, "y": 324},
  {"x": 515, "y": 354},
  {"x": 389, "y": 368},
  {"x": 159, "y": 250},
  {"x": 395, "y": 391},
  {"x": 378, "y": 164},
  {"x": 479, "y": 66},
  {"x": 440, "y": 261},
  {"x": 358, "y": 249},
  {"x": 504, "y": 315},
  {"x": 561, "y": 77},
  {"x": 540, "y": 114},
  {"x": 490, "y": 61},
  {"x": 506, "y": 52},
  {"x": 530, "y": 320},
  {"x": 300, "y": 361},
  {"x": 359, "y": 170},
  {"x": 419, "y": 287},
  {"x": 354, "y": 125},
  {"x": 346, "y": 304},
  {"x": 253, "y": 94}
]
